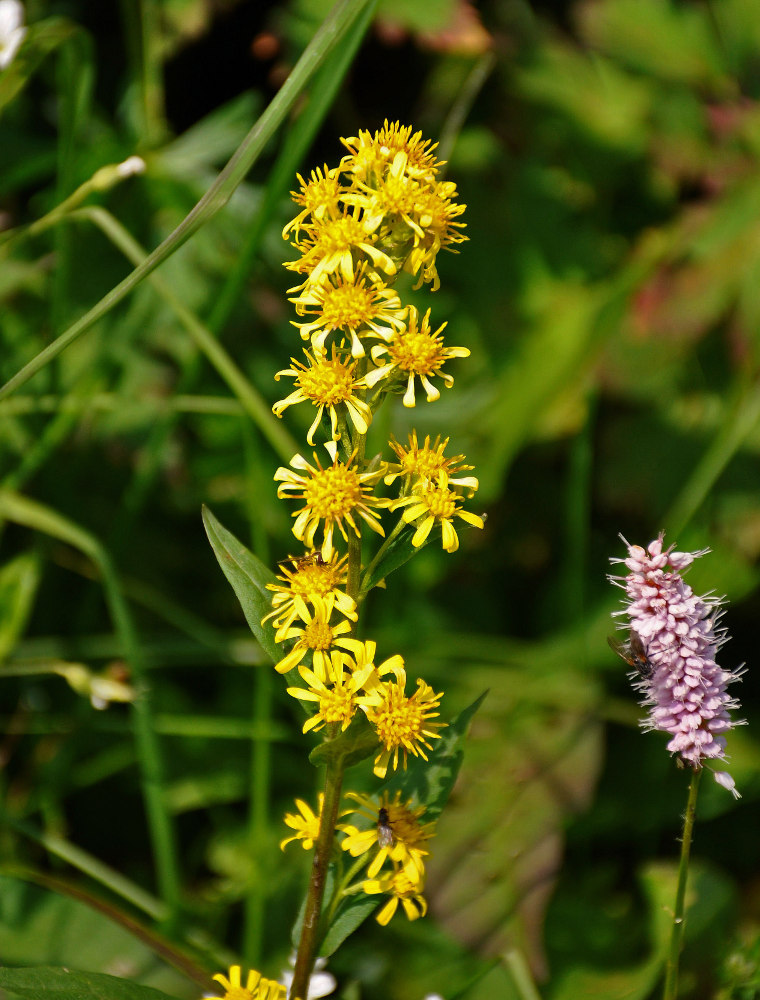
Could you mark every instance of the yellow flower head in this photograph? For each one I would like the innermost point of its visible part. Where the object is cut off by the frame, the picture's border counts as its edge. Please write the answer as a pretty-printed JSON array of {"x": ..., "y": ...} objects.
[
  {"x": 433, "y": 501},
  {"x": 319, "y": 196},
  {"x": 354, "y": 305},
  {"x": 402, "y": 723},
  {"x": 329, "y": 245},
  {"x": 402, "y": 890},
  {"x": 327, "y": 383},
  {"x": 415, "y": 352},
  {"x": 420, "y": 463},
  {"x": 333, "y": 495},
  {"x": 256, "y": 987},
  {"x": 305, "y": 822},
  {"x": 369, "y": 155},
  {"x": 313, "y": 633},
  {"x": 396, "y": 834},
  {"x": 308, "y": 577},
  {"x": 437, "y": 229},
  {"x": 335, "y": 693}
]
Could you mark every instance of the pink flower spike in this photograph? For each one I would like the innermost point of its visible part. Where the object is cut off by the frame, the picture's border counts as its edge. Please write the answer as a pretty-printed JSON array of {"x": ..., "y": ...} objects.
[{"x": 675, "y": 641}]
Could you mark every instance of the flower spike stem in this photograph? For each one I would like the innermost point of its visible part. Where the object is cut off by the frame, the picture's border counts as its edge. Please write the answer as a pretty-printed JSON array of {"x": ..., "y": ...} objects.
[
  {"x": 676, "y": 935},
  {"x": 310, "y": 930}
]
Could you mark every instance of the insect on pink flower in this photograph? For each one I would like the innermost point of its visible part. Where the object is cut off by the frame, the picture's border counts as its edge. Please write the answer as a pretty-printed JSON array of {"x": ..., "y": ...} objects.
[{"x": 674, "y": 631}]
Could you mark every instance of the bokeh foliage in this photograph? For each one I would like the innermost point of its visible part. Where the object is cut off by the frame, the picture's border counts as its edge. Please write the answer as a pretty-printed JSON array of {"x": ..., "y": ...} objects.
[{"x": 608, "y": 153}]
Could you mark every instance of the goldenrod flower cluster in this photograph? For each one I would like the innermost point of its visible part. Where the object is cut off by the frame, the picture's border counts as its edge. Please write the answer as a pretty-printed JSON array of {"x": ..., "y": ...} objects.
[{"x": 382, "y": 211}]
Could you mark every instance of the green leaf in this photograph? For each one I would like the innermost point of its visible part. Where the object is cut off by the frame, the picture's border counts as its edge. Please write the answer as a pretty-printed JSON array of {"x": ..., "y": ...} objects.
[
  {"x": 19, "y": 580},
  {"x": 44, "y": 981},
  {"x": 350, "y": 916},
  {"x": 399, "y": 551},
  {"x": 357, "y": 743},
  {"x": 249, "y": 578}
]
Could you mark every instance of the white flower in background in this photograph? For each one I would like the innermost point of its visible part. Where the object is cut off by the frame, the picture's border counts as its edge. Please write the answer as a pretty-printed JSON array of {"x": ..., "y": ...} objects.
[
  {"x": 12, "y": 30},
  {"x": 321, "y": 983}
]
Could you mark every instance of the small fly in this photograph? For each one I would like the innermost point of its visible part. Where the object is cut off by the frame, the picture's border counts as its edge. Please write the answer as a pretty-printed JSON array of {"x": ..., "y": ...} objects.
[
  {"x": 385, "y": 836},
  {"x": 634, "y": 653},
  {"x": 301, "y": 562}
]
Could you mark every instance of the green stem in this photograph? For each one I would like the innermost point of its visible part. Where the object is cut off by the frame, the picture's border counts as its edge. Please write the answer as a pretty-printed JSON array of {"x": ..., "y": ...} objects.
[
  {"x": 21, "y": 510},
  {"x": 151, "y": 72},
  {"x": 311, "y": 922},
  {"x": 255, "y": 901},
  {"x": 676, "y": 935},
  {"x": 741, "y": 420},
  {"x": 333, "y": 784},
  {"x": 400, "y": 525}
]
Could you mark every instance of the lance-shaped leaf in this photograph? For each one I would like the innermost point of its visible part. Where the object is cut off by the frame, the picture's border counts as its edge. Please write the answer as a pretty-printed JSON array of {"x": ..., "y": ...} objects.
[
  {"x": 48, "y": 983},
  {"x": 249, "y": 578}
]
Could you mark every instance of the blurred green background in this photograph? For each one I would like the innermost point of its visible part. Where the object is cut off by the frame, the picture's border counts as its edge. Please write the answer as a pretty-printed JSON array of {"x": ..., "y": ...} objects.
[{"x": 608, "y": 153}]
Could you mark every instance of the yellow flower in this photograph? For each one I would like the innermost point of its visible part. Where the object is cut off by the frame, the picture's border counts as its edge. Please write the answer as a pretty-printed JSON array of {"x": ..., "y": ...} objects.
[
  {"x": 415, "y": 352},
  {"x": 319, "y": 196},
  {"x": 329, "y": 245},
  {"x": 355, "y": 305},
  {"x": 370, "y": 154},
  {"x": 403, "y": 890},
  {"x": 256, "y": 987},
  {"x": 332, "y": 495},
  {"x": 335, "y": 692},
  {"x": 305, "y": 822},
  {"x": 363, "y": 652},
  {"x": 310, "y": 577},
  {"x": 433, "y": 501},
  {"x": 396, "y": 834},
  {"x": 390, "y": 199},
  {"x": 402, "y": 723},
  {"x": 314, "y": 633},
  {"x": 426, "y": 461},
  {"x": 436, "y": 230},
  {"x": 326, "y": 382}
]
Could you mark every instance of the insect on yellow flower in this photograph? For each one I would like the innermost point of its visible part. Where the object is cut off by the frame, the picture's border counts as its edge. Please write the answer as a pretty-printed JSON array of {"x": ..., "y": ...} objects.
[
  {"x": 397, "y": 834},
  {"x": 308, "y": 577}
]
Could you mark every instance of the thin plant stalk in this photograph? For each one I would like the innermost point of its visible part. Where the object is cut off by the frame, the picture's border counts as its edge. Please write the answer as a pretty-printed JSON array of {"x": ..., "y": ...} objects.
[
  {"x": 322, "y": 851},
  {"x": 329, "y": 817},
  {"x": 21, "y": 510},
  {"x": 676, "y": 934}
]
